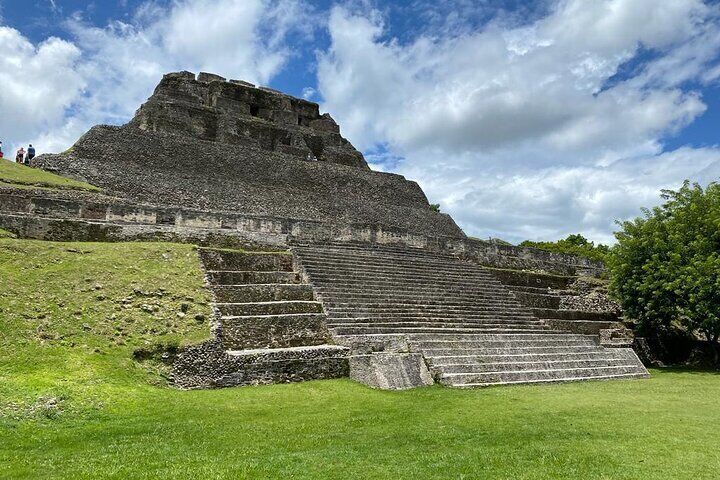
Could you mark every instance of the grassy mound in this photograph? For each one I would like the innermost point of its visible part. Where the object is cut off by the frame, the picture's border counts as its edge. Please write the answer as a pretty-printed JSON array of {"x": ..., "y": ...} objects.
[
  {"x": 73, "y": 403},
  {"x": 17, "y": 175},
  {"x": 73, "y": 314}
]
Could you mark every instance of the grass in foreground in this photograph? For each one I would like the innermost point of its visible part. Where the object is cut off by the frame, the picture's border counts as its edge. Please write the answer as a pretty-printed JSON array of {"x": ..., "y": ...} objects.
[
  {"x": 76, "y": 406},
  {"x": 15, "y": 174}
]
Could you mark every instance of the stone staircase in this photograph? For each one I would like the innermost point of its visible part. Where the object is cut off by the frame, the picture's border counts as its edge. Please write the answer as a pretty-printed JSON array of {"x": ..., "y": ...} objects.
[
  {"x": 268, "y": 326},
  {"x": 469, "y": 328}
]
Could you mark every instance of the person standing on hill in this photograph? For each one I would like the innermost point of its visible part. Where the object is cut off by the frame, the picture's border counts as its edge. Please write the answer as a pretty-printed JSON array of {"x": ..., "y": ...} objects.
[
  {"x": 20, "y": 155},
  {"x": 30, "y": 154},
  {"x": 1, "y": 152}
]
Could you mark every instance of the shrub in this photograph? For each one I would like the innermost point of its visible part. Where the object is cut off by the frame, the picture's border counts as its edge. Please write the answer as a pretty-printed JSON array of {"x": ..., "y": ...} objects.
[
  {"x": 574, "y": 244},
  {"x": 666, "y": 266}
]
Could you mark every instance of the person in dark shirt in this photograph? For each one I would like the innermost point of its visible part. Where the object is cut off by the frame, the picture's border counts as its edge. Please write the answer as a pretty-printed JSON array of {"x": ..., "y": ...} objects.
[
  {"x": 1, "y": 152},
  {"x": 30, "y": 154}
]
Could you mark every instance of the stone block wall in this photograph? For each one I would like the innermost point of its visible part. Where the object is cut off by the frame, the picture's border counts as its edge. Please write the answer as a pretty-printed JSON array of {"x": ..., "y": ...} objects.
[{"x": 237, "y": 112}]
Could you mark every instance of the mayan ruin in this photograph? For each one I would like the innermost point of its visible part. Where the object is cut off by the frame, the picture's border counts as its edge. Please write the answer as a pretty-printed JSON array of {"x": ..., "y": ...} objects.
[
  {"x": 372, "y": 240},
  {"x": 320, "y": 267}
]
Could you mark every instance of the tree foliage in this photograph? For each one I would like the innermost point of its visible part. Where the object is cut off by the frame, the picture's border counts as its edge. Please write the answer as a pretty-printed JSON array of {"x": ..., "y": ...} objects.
[
  {"x": 574, "y": 244},
  {"x": 666, "y": 265}
]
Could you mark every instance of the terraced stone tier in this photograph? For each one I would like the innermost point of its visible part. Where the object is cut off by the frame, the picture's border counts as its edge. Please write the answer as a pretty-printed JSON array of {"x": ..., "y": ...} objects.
[
  {"x": 211, "y": 366},
  {"x": 270, "y": 328},
  {"x": 471, "y": 330},
  {"x": 262, "y": 292}
]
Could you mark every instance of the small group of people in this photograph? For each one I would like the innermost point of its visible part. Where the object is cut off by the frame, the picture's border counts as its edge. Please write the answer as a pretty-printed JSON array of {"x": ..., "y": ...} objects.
[{"x": 22, "y": 156}]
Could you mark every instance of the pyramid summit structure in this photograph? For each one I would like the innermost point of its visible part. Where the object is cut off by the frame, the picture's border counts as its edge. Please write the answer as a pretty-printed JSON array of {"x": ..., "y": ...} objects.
[{"x": 228, "y": 146}]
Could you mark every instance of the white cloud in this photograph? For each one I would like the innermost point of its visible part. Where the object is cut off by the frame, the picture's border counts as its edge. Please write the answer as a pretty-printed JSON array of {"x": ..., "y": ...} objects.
[
  {"x": 39, "y": 83},
  {"x": 105, "y": 73},
  {"x": 521, "y": 130}
]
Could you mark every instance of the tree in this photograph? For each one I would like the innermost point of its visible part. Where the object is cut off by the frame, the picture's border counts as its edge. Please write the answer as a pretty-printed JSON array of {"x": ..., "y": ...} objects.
[
  {"x": 574, "y": 244},
  {"x": 665, "y": 268}
]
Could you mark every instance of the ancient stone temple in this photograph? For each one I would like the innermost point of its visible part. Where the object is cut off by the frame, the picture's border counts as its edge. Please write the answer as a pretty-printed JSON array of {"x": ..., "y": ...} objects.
[{"x": 319, "y": 266}]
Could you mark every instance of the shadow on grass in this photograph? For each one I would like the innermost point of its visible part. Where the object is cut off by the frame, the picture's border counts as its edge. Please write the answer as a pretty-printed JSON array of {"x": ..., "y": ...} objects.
[{"x": 685, "y": 369}]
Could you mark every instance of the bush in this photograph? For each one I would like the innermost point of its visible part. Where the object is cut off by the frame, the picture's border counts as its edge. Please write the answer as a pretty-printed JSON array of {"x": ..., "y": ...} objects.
[
  {"x": 665, "y": 267},
  {"x": 575, "y": 245}
]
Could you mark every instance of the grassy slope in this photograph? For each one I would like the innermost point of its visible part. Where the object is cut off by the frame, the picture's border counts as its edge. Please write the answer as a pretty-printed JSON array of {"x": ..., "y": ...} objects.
[
  {"x": 72, "y": 412},
  {"x": 14, "y": 174}
]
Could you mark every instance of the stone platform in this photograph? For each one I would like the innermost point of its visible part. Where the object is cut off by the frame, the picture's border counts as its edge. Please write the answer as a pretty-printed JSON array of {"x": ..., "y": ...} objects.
[
  {"x": 268, "y": 327},
  {"x": 470, "y": 330}
]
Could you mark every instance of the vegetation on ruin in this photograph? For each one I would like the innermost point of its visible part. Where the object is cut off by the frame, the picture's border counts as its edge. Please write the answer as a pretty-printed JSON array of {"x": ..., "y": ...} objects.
[
  {"x": 73, "y": 314},
  {"x": 666, "y": 264},
  {"x": 574, "y": 244},
  {"x": 17, "y": 175},
  {"x": 74, "y": 403}
]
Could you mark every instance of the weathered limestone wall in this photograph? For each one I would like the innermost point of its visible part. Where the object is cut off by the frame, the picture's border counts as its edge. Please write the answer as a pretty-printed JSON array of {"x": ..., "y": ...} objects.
[
  {"x": 73, "y": 216},
  {"x": 236, "y": 112},
  {"x": 167, "y": 170}
]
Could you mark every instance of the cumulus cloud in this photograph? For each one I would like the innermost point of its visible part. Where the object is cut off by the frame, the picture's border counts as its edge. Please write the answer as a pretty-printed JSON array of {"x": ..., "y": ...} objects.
[
  {"x": 103, "y": 73},
  {"x": 529, "y": 130},
  {"x": 39, "y": 83}
]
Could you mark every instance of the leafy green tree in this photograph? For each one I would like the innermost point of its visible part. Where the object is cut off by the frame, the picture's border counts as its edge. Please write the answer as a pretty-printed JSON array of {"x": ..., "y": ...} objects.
[
  {"x": 666, "y": 265},
  {"x": 574, "y": 244}
]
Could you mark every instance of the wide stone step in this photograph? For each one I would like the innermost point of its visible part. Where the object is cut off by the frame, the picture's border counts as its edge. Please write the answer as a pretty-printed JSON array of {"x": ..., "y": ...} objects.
[
  {"x": 538, "y": 300},
  {"x": 270, "y": 308},
  {"x": 589, "y": 354},
  {"x": 531, "y": 279},
  {"x": 590, "y": 339},
  {"x": 262, "y": 292},
  {"x": 438, "y": 322},
  {"x": 499, "y": 343},
  {"x": 289, "y": 353},
  {"x": 379, "y": 320},
  {"x": 440, "y": 303},
  {"x": 371, "y": 329},
  {"x": 218, "y": 259},
  {"x": 628, "y": 376},
  {"x": 441, "y": 316},
  {"x": 525, "y": 376},
  {"x": 429, "y": 309},
  {"x": 538, "y": 290},
  {"x": 413, "y": 256},
  {"x": 573, "y": 314},
  {"x": 233, "y": 277},
  {"x": 344, "y": 289},
  {"x": 506, "y": 350},
  {"x": 337, "y": 299},
  {"x": 370, "y": 278},
  {"x": 334, "y": 265},
  {"x": 339, "y": 250},
  {"x": 393, "y": 277},
  {"x": 526, "y": 366},
  {"x": 585, "y": 327},
  {"x": 345, "y": 251},
  {"x": 273, "y": 331}
]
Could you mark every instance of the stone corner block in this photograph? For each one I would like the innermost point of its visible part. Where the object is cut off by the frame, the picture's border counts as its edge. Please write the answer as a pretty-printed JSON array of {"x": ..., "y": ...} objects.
[{"x": 390, "y": 371}]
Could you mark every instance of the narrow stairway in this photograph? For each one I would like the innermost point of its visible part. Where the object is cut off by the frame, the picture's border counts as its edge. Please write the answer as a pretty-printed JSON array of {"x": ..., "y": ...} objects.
[{"x": 471, "y": 330}]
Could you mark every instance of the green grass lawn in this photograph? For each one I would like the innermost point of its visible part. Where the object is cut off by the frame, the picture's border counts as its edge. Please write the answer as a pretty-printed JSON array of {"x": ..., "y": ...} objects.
[
  {"x": 17, "y": 175},
  {"x": 73, "y": 403}
]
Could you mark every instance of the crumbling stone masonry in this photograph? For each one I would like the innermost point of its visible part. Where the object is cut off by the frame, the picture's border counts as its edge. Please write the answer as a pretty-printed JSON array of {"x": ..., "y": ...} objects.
[{"x": 358, "y": 275}]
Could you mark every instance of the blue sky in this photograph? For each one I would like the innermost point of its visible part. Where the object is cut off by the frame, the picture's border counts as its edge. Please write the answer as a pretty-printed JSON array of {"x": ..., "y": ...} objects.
[{"x": 523, "y": 119}]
